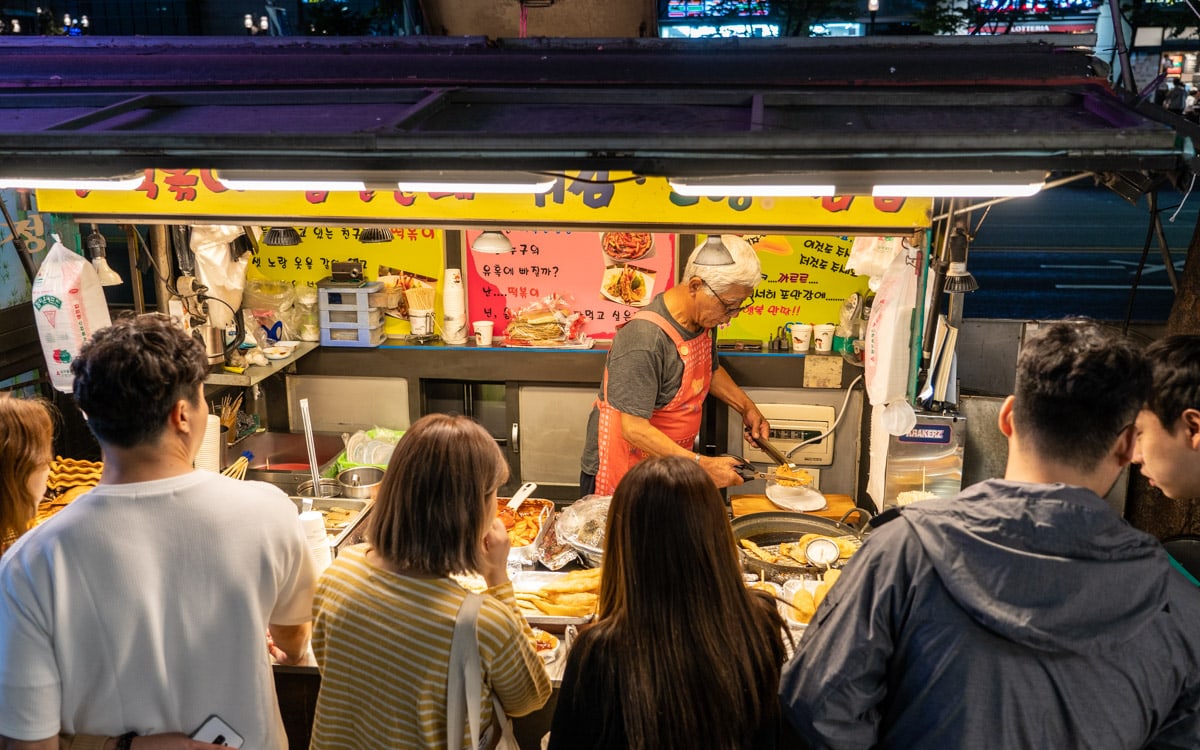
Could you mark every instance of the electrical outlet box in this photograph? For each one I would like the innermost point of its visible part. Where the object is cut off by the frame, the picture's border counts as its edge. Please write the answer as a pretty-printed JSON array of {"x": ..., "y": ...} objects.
[{"x": 792, "y": 424}]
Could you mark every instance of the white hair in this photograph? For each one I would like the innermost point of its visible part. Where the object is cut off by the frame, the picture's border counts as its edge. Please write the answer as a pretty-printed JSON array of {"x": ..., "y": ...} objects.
[{"x": 745, "y": 271}]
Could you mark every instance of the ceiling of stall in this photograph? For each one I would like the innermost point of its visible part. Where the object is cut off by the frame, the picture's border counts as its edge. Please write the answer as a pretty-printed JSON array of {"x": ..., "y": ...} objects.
[{"x": 100, "y": 108}]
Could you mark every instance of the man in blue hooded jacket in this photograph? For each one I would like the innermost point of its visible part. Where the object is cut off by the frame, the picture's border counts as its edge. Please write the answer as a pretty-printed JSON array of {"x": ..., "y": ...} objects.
[{"x": 1025, "y": 612}]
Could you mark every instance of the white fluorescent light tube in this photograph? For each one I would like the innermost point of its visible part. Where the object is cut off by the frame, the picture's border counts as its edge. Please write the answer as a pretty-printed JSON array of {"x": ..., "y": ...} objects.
[
  {"x": 467, "y": 186},
  {"x": 957, "y": 191},
  {"x": 71, "y": 183},
  {"x": 293, "y": 184},
  {"x": 711, "y": 188}
]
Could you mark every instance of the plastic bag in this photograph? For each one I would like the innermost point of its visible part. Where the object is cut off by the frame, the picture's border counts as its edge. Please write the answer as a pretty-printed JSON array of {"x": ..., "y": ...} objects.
[
  {"x": 270, "y": 308},
  {"x": 549, "y": 320},
  {"x": 889, "y": 330},
  {"x": 217, "y": 269},
  {"x": 871, "y": 257},
  {"x": 69, "y": 305}
]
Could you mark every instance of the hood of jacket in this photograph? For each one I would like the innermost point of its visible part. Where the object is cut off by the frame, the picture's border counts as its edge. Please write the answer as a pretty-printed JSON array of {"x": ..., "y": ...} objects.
[{"x": 1049, "y": 566}]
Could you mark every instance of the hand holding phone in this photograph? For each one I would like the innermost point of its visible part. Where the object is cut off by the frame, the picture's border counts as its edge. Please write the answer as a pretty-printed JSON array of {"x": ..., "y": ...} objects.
[{"x": 214, "y": 730}]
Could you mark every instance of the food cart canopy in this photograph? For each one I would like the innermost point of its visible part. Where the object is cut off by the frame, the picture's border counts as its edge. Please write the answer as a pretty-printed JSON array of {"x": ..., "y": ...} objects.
[{"x": 381, "y": 108}]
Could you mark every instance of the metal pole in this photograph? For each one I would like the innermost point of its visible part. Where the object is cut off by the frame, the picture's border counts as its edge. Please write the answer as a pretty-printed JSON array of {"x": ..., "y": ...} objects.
[
  {"x": 160, "y": 244},
  {"x": 19, "y": 243},
  {"x": 135, "y": 272},
  {"x": 1122, "y": 50}
]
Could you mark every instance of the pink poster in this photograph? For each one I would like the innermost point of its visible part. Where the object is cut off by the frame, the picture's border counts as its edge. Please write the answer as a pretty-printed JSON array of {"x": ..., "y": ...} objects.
[{"x": 604, "y": 276}]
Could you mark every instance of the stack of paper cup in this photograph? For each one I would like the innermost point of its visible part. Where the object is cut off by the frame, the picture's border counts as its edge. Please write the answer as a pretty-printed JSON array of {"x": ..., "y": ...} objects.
[
  {"x": 454, "y": 308},
  {"x": 318, "y": 541},
  {"x": 209, "y": 455}
]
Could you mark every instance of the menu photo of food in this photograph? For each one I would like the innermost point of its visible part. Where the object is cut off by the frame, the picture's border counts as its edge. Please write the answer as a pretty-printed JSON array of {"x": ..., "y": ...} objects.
[
  {"x": 623, "y": 247},
  {"x": 628, "y": 285}
]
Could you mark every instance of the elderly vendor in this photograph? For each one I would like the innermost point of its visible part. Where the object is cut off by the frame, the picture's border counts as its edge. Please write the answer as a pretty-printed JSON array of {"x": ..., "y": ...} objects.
[{"x": 662, "y": 365}]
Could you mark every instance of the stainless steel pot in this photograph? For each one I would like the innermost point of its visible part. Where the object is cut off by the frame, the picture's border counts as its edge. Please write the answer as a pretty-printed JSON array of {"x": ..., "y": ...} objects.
[
  {"x": 360, "y": 482},
  {"x": 773, "y": 527},
  {"x": 328, "y": 488}
]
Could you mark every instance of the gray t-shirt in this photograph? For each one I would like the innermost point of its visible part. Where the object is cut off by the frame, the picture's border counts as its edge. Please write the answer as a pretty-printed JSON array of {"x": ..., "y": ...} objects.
[{"x": 644, "y": 374}]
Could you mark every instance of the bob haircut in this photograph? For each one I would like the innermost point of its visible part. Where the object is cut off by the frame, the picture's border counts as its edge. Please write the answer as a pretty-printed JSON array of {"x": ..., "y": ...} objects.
[
  {"x": 672, "y": 578},
  {"x": 129, "y": 376},
  {"x": 26, "y": 445},
  {"x": 1078, "y": 386},
  {"x": 437, "y": 497},
  {"x": 746, "y": 270}
]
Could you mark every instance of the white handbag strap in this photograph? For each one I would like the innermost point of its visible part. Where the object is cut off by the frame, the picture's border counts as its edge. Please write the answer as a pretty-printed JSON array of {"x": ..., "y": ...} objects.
[{"x": 460, "y": 684}]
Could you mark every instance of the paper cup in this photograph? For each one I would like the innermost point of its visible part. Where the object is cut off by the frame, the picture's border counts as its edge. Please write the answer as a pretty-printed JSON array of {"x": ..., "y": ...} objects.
[
  {"x": 422, "y": 321},
  {"x": 483, "y": 332},
  {"x": 801, "y": 336},
  {"x": 209, "y": 455},
  {"x": 823, "y": 337}
]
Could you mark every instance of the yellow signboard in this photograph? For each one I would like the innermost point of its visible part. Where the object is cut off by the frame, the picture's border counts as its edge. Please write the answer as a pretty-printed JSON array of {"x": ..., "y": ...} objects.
[
  {"x": 601, "y": 199},
  {"x": 805, "y": 280}
]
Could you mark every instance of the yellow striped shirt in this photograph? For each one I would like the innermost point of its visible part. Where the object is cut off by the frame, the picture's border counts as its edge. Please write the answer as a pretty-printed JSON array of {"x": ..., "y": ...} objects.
[{"x": 382, "y": 642}]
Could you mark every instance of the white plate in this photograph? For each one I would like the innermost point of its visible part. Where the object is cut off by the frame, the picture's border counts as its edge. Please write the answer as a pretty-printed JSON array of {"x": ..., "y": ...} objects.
[
  {"x": 802, "y": 499},
  {"x": 379, "y": 452},
  {"x": 277, "y": 352},
  {"x": 610, "y": 275},
  {"x": 356, "y": 448}
]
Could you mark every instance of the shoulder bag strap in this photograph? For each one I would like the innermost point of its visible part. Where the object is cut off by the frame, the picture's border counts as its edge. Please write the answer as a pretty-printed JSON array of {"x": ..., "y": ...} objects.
[{"x": 462, "y": 688}]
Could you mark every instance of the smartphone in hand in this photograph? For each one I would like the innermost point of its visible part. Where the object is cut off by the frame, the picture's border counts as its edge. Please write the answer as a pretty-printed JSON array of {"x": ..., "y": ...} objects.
[{"x": 214, "y": 730}]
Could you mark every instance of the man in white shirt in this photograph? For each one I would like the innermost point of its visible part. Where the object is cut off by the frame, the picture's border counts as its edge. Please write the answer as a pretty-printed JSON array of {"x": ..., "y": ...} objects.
[{"x": 143, "y": 606}]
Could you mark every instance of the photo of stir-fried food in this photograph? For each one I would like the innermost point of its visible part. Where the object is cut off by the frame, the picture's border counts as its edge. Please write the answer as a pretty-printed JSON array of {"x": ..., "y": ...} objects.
[
  {"x": 626, "y": 245},
  {"x": 627, "y": 285}
]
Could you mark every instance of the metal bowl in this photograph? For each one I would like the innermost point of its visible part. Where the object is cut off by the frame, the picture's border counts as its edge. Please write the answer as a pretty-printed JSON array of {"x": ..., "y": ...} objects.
[
  {"x": 360, "y": 482},
  {"x": 773, "y": 527},
  {"x": 328, "y": 488}
]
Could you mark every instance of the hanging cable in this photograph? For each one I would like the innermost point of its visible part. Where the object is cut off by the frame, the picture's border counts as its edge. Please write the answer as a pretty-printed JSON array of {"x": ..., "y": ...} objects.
[{"x": 836, "y": 422}]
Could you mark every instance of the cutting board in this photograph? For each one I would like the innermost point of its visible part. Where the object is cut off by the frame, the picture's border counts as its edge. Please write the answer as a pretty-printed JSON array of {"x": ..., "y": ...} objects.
[{"x": 836, "y": 507}]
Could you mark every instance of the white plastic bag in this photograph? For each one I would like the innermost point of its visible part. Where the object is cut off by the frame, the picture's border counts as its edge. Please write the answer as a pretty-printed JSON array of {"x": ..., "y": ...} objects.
[
  {"x": 69, "y": 305},
  {"x": 889, "y": 331},
  {"x": 870, "y": 256}
]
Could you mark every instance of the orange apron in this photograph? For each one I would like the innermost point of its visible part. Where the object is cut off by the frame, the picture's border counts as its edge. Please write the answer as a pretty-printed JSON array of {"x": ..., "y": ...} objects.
[{"x": 678, "y": 420}]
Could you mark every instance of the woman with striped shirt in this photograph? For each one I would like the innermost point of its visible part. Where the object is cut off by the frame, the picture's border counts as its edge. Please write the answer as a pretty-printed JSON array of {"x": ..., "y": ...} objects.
[{"x": 385, "y": 610}]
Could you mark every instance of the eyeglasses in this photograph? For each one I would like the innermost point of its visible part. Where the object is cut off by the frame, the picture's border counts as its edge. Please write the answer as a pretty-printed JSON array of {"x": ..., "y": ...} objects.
[{"x": 729, "y": 309}]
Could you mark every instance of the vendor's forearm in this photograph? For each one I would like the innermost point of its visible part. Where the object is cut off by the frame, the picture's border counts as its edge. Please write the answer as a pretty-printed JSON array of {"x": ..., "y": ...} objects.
[
  {"x": 647, "y": 438},
  {"x": 728, "y": 391}
]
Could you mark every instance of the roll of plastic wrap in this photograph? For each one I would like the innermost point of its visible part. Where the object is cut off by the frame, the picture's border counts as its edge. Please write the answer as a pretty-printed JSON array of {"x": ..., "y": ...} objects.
[{"x": 209, "y": 455}]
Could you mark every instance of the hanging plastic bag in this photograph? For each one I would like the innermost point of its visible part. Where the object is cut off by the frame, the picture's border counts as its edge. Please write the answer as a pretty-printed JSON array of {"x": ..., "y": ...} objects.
[
  {"x": 69, "y": 305},
  {"x": 889, "y": 331},
  {"x": 871, "y": 256}
]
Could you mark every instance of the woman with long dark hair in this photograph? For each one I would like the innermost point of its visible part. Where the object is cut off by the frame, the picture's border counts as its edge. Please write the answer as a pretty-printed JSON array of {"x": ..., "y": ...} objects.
[{"x": 682, "y": 655}]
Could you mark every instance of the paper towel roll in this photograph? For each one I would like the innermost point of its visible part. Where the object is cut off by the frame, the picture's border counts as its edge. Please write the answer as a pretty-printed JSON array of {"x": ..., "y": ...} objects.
[
  {"x": 322, "y": 555},
  {"x": 209, "y": 455}
]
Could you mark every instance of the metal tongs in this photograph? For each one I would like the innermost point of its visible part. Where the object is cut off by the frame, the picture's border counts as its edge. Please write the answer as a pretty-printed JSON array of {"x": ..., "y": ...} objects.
[
  {"x": 747, "y": 470},
  {"x": 772, "y": 452}
]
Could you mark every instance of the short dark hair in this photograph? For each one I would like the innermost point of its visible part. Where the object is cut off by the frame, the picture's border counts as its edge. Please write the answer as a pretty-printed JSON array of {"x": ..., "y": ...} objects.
[
  {"x": 435, "y": 499},
  {"x": 1078, "y": 386},
  {"x": 1174, "y": 377},
  {"x": 128, "y": 377}
]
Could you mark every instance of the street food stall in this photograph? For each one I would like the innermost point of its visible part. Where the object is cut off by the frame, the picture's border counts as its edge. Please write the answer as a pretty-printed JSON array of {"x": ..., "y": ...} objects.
[{"x": 451, "y": 225}]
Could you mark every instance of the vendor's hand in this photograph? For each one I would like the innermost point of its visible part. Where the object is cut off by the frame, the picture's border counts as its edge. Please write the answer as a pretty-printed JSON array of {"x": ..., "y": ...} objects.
[
  {"x": 721, "y": 469},
  {"x": 756, "y": 424},
  {"x": 494, "y": 561}
]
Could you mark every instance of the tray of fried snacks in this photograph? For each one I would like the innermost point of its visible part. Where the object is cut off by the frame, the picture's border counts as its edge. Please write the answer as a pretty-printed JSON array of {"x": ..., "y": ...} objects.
[
  {"x": 558, "y": 599},
  {"x": 69, "y": 478},
  {"x": 802, "y": 596},
  {"x": 526, "y": 526}
]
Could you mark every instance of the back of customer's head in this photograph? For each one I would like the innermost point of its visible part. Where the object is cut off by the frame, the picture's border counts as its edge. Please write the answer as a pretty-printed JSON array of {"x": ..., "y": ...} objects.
[
  {"x": 672, "y": 579},
  {"x": 436, "y": 499},
  {"x": 1175, "y": 377},
  {"x": 1078, "y": 386},
  {"x": 129, "y": 376},
  {"x": 26, "y": 449}
]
